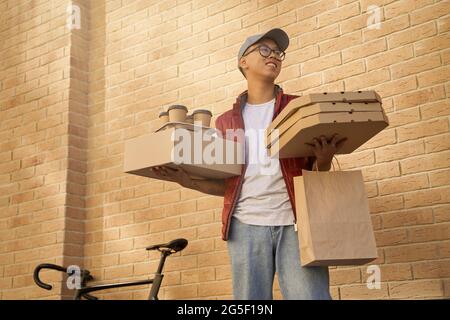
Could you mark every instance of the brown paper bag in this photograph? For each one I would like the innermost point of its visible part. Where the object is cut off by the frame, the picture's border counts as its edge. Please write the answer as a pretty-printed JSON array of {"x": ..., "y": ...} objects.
[{"x": 334, "y": 225}]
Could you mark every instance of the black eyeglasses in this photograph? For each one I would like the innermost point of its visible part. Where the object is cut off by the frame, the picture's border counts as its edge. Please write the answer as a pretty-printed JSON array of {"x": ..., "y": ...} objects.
[{"x": 265, "y": 51}]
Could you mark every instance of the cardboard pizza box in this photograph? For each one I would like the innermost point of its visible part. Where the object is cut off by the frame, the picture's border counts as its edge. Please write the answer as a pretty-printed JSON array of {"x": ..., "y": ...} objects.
[
  {"x": 357, "y": 127},
  {"x": 324, "y": 107},
  {"x": 343, "y": 96},
  {"x": 198, "y": 152}
]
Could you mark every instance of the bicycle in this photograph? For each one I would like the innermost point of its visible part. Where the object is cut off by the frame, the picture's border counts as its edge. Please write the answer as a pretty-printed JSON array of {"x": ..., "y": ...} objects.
[{"x": 166, "y": 250}]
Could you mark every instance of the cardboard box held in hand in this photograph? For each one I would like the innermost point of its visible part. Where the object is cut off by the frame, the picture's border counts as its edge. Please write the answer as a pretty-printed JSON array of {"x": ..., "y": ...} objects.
[{"x": 199, "y": 151}]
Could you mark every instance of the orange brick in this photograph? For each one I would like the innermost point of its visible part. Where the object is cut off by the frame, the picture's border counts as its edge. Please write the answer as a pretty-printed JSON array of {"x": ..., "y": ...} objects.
[
  {"x": 437, "y": 109},
  {"x": 441, "y": 213},
  {"x": 321, "y": 63},
  {"x": 397, "y": 8},
  {"x": 345, "y": 276},
  {"x": 391, "y": 272},
  {"x": 215, "y": 288},
  {"x": 391, "y": 237},
  {"x": 389, "y": 57},
  {"x": 403, "y": 117},
  {"x": 141, "y": 242},
  {"x": 439, "y": 178},
  {"x": 197, "y": 218},
  {"x": 342, "y": 72},
  {"x": 135, "y": 204},
  {"x": 444, "y": 249},
  {"x": 165, "y": 198},
  {"x": 396, "y": 87},
  {"x": 402, "y": 184},
  {"x": 410, "y": 253},
  {"x": 134, "y": 230},
  {"x": 188, "y": 194},
  {"x": 358, "y": 292},
  {"x": 431, "y": 269},
  {"x": 305, "y": 82},
  {"x": 356, "y": 23},
  {"x": 209, "y": 230},
  {"x": 381, "y": 171},
  {"x": 315, "y": 9},
  {"x": 118, "y": 220},
  {"x": 148, "y": 215},
  {"x": 407, "y": 218},
  {"x": 415, "y": 66},
  {"x": 340, "y": 14},
  {"x": 439, "y": 42},
  {"x": 189, "y": 234},
  {"x": 164, "y": 224},
  {"x": 181, "y": 292},
  {"x": 367, "y": 79},
  {"x": 433, "y": 77},
  {"x": 20, "y": 197},
  {"x": 209, "y": 203},
  {"x": 386, "y": 203},
  {"x": 213, "y": 259},
  {"x": 223, "y": 272},
  {"x": 118, "y": 246},
  {"x": 427, "y": 197},
  {"x": 387, "y": 27},
  {"x": 181, "y": 263},
  {"x": 425, "y": 163},
  {"x": 357, "y": 159},
  {"x": 415, "y": 289},
  {"x": 433, "y": 232},
  {"x": 399, "y": 151},
  {"x": 118, "y": 272},
  {"x": 412, "y": 35},
  {"x": 429, "y": 13},
  {"x": 422, "y": 129},
  {"x": 198, "y": 275}
]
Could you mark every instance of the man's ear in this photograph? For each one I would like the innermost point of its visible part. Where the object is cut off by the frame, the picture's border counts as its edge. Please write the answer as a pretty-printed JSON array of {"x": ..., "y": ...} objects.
[{"x": 243, "y": 63}]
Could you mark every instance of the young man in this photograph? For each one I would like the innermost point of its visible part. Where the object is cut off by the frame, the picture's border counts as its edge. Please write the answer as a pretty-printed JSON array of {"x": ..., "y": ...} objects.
[{"x": 258, "y": 218}]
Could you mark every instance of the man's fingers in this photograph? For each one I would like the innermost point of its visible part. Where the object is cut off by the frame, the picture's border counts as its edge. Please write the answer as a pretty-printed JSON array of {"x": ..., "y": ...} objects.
[
  {"x": 324, "y": 140},
  {"x": 334, "y": 139},
  {"x": 317, "y": 143},
  {"x": 340, "y": 143}
]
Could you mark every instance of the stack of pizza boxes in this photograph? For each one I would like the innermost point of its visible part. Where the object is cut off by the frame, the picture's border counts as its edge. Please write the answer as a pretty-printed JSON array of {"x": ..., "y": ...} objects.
[{"x": 357, "y": 116}]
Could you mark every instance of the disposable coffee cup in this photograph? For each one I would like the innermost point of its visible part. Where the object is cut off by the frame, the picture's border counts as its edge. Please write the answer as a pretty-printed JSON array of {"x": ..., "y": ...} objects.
[
  {"x": 203, "y": 116},
  {"x": 189, "y": 119},
  {"x": 164, "y": 117},
  {"x": 177, "y": 113}
]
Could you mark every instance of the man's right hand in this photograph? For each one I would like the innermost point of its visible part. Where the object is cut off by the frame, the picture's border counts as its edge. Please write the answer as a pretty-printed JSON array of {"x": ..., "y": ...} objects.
[
  {"x": 214, "y": 187},
  {"x": 174, "y": 175}
]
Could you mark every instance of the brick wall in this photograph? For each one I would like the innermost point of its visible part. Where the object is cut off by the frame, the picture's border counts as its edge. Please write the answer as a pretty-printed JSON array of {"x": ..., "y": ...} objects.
[
  {"x": 70, "y": 98},
  {"x": 35, "y": 71}
]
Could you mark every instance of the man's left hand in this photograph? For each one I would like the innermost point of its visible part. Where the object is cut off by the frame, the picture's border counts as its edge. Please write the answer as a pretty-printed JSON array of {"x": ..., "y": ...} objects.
[{"x": 325, "y": 150}]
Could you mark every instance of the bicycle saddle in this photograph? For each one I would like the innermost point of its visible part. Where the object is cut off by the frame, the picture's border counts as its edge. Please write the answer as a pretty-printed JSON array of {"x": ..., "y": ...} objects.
[{"x": 174, "y": 245}]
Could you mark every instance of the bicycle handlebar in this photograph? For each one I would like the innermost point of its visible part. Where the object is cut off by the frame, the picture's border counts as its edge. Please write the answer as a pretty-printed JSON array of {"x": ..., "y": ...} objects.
[{"x": 45, "y": 266}]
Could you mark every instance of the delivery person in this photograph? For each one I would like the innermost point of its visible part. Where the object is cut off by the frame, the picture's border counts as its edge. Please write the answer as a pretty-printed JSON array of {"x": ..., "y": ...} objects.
[{"x": 258, "y": 218}]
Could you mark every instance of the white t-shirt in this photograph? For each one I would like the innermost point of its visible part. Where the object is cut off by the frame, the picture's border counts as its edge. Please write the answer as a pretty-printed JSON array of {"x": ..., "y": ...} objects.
[{"x": 263, "y": 199}]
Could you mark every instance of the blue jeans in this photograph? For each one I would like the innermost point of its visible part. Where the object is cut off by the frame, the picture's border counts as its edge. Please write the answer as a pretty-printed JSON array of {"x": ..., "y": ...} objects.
[{"x": 258, "y": 251}]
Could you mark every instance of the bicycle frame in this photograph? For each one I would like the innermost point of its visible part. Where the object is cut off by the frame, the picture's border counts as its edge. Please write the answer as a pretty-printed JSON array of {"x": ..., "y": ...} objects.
[{"x": 84, "y": 291}]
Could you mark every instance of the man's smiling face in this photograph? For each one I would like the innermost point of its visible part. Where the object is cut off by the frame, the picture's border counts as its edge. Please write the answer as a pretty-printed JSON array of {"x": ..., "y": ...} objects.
[{"x": 257, "y": 66}]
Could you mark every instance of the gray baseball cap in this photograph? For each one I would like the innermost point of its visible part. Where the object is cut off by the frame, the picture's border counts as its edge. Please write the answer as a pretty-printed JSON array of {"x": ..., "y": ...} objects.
[{"x": 279, "y": 36}]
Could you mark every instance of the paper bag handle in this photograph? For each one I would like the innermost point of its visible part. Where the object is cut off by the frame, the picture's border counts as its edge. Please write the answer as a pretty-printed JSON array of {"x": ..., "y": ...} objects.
[{"x": 332, "y": 164}]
